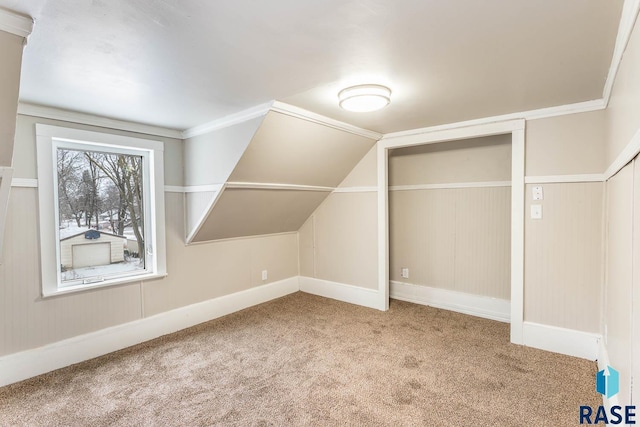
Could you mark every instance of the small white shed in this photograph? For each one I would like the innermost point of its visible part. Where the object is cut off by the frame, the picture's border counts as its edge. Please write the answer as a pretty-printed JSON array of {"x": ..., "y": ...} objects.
[{"x": 91, "y": 248}]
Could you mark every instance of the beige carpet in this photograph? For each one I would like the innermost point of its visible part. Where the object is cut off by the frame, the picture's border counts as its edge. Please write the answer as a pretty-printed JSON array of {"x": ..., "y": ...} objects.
[{"x": 306, "y": 360}]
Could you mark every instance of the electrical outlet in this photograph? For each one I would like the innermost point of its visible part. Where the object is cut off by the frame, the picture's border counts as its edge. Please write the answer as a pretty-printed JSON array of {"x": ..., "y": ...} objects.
[
  {"x": 537, "y": 193},
  {"x": 265, "y": 274},
  {"x": 404, "y": 272}
]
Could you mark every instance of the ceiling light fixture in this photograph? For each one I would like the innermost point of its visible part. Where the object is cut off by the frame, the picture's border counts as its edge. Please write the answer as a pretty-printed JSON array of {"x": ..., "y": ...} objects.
[{"x": 364, "y": 98}]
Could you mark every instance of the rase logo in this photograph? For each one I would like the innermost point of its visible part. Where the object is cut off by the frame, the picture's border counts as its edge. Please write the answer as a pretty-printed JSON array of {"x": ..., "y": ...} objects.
[
  {"x": 608, "y": 382},
  {"x": 608, "y": 385}
]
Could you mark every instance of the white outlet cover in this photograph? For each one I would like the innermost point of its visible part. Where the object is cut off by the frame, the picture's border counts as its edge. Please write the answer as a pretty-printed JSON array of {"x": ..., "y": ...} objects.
[
  {"x": 264, "y": 274},
  {"x": 537, "y": 193},
  {"x": 536, "y": 211}
]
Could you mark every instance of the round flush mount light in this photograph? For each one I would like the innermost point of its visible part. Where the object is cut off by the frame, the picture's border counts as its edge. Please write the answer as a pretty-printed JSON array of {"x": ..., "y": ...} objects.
[{"x": 364, "y": 98}]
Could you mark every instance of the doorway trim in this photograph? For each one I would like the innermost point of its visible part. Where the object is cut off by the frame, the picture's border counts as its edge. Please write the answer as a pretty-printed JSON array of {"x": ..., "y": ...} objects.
[{"x": 516, "y": 128}]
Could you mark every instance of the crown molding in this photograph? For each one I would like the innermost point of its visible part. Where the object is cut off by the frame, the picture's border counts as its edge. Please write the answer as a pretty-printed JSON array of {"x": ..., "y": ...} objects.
[
  {"x": 282, "y": 108},
  {"x": 34, "y": 110},
  {"x": 541, "y": 113},
  {"x": 14, "y": 23},
  {"x": 630, "y": 151},
  {"x": 226, "y": 121},
  {"x": 293, "y": 111},
  {"x": 628, "y": 18}
]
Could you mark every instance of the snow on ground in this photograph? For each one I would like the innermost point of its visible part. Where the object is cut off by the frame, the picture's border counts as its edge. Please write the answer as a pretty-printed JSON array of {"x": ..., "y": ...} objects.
[{"x": 102, "y": 270}]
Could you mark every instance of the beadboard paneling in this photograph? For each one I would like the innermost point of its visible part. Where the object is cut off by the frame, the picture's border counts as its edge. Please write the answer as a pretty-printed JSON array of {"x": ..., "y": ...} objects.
[
  {"x": 200, "y": 272},
  {"x": 454, "y": 239},
  {"x": 563, "y": 256},
  {"x": 483, "y": 242},
  {"x": 619, "y": 276},
  {"x": 306, "y": 242},
  {"x": 346, "y": 239},
  {"x": 27, "y": 321}
]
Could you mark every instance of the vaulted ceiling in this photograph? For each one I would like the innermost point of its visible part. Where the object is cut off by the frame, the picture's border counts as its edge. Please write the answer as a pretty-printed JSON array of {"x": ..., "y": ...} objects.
[{"x": 180, "y": 64}]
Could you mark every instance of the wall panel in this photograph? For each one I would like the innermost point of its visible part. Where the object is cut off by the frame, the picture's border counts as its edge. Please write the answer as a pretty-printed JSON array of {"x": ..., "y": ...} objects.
[
  {"x": 455, "y": 239},
  {"x": 619, "y": 276},
  {"x": 552, "y": 144},
  {"x": 204, "y": 271},
  {"x": 563, "y": 257},
  {"x": 306, "y": 248},
  {"x": 26, "y": 320},
  {"x": 483, "y": 241},
  {"x": 468, "y": 160},
  {"x": 422, "y": 230},
  {"x": 346, "y": 241}
]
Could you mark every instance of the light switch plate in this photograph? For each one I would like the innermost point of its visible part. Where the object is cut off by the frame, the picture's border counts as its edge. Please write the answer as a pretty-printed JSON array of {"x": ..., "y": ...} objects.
[
  {"x": 537, "y": 193},
  {"x": 536, "y": 211}
]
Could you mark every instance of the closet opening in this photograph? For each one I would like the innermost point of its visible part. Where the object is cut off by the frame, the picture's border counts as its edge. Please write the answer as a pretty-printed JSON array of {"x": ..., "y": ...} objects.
[{"x": 451, "y": 220}]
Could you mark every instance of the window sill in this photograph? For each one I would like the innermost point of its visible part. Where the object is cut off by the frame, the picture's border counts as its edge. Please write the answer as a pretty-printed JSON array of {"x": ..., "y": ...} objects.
[{"x": 107, "y": 283}]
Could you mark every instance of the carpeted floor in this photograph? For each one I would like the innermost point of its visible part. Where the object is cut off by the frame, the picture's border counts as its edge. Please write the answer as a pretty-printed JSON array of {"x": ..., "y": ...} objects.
[{"x": 307, "y": 360}]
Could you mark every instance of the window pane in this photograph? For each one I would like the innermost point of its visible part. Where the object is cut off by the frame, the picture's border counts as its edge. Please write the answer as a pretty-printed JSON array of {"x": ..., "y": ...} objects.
[{"x": 101, "y": 215}]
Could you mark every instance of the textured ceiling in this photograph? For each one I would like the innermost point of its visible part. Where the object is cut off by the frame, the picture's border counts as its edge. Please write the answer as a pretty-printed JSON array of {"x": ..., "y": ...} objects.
[{"x": 181, "y": 64}]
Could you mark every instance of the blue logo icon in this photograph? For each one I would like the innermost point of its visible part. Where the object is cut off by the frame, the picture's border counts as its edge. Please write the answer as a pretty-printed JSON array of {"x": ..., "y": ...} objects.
[{"x": 608, "y": 382}]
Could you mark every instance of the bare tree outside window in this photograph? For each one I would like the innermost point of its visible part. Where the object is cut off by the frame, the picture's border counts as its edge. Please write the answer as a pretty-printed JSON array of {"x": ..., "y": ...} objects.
[{"x": 101, "y": 214}]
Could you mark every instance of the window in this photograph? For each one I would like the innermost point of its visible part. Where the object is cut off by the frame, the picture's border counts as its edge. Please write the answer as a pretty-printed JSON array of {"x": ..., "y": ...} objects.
[{"x": 101, "y": 209}]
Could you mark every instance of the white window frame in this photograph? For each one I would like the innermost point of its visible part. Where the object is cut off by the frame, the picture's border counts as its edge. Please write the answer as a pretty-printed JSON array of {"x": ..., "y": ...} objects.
[{"x": 48, "y": 140}]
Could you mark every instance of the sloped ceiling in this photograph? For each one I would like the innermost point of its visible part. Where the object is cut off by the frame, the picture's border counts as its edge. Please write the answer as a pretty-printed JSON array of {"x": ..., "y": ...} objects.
[
  {"x": 289, "y": 150},
  {"x": 290, "y": 166},
  {"x": 253, "y": 212},
  {"x": 180, "y": 64}
]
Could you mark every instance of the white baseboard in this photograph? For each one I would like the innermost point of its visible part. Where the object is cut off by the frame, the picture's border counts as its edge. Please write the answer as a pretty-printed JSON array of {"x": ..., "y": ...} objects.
[
  {"x": 340, "y": 291},
  {"x": 474, "y": 305},
  {"x": 26, "y": 364},
  {"x": 561, "y": 340}
]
